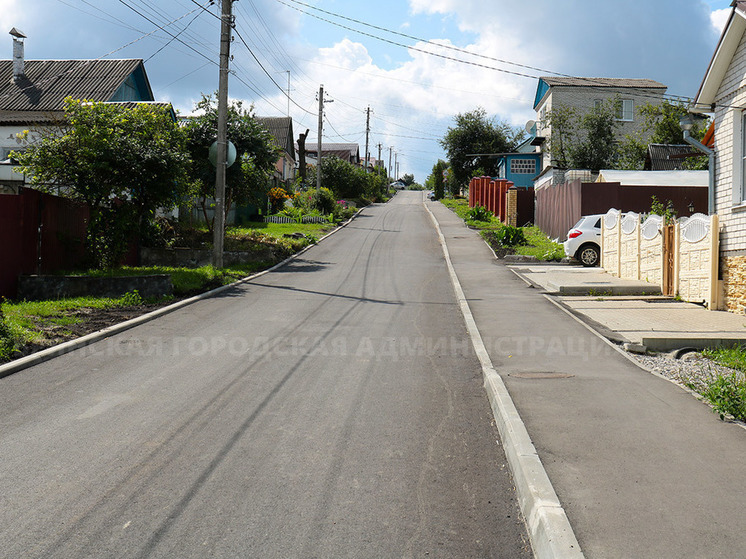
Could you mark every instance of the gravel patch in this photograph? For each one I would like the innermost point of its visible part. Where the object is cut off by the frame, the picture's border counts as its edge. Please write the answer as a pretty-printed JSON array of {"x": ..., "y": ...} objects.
[{"x": 693, "y": 370}]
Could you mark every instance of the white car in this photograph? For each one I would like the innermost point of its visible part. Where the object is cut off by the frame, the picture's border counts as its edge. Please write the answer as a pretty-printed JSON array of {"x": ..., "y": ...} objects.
[{"x": 584, "y": 240}]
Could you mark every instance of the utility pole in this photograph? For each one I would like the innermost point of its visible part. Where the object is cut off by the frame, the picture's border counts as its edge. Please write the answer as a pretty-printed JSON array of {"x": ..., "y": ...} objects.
[
  {"x": 396, "y": 166},
  {"x": 288, "y": 71},
  {"x": 367, "y": 132},
  {"x": 378, "y": 161},
  {"x": 226, "y": 24},
  {"x": 391, "y": 149},
  {"x": 318, "y": 142}
]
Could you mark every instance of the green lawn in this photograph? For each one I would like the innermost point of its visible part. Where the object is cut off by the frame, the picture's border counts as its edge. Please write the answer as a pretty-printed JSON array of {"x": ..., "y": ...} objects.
[
  {"x": 537, "y": 243},
  {"x": 45, "y": 322}
]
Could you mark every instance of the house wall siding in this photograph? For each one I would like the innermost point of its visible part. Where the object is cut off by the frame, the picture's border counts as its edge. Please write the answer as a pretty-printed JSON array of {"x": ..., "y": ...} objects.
[{"x": 732, "y": 93}]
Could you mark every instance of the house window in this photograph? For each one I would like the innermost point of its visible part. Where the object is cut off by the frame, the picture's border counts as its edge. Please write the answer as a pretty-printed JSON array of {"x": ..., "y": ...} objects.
[
  {"x": 625, "y": 110},
  {"x": 5, "y": 152},
  {"x": 522, "y": 166}
]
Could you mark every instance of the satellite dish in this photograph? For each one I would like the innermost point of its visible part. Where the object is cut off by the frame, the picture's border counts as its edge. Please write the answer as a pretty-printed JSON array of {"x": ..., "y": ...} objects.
[
  {"x": 531, "y": 127},
  {"x": 230, "y": 156}
]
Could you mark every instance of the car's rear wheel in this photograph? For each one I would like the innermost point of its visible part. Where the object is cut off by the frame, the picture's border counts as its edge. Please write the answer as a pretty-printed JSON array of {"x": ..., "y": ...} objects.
[{"x": 589, "y": 255}]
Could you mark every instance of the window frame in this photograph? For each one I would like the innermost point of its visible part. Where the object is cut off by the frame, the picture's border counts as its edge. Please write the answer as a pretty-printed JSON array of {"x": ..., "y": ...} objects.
[{"x": 626, "y": 110}]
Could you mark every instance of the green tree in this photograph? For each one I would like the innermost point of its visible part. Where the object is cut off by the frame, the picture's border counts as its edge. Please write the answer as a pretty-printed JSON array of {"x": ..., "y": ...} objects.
[
  {"x": 473, "y": 135},
  {"x": 661, "y": 126},
  {"x": 124, "y": 163},
  {"x": 408, "y": 179},
  {"x": 594, "y": 145},
  {"x": 248, "y": 180},
  {"x": 436, "y": 180},
  {"x": 563, "y": 122}
]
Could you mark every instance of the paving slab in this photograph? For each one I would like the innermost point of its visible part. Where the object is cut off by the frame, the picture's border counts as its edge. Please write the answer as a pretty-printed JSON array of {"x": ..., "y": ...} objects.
[
  {"x": 661, "y": 325},
  {"x": 577, "y": 280}
]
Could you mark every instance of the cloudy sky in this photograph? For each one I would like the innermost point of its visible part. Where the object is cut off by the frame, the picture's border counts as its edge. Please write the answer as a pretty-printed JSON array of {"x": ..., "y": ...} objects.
[{"x": 415, "y": 63}]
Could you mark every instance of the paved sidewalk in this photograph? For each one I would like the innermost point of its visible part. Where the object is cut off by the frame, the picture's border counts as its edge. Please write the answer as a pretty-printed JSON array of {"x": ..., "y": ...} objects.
[
  {"x": 658, "y": 323},
  {"x": 641, "y": 467}
]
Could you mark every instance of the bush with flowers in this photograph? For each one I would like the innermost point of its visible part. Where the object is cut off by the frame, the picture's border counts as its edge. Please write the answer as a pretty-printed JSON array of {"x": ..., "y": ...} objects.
[{"x": 277, "y": 197}]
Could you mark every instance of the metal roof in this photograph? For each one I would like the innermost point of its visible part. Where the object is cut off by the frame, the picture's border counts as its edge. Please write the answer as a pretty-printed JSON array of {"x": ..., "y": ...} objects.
[
  {"x": 281, "y": 128},
  {"x": 603, "y": 82},
  {"x": 46, "y": 83},
  {"x": 668, "y": 157}
]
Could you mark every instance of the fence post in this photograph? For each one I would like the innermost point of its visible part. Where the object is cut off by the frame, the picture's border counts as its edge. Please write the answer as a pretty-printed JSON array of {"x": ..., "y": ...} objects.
[{"x": 714, "y": 299}]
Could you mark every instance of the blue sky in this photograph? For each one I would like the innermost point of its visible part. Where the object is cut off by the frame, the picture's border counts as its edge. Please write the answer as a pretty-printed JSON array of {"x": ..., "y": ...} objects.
[{"x": 413, "y": 96}]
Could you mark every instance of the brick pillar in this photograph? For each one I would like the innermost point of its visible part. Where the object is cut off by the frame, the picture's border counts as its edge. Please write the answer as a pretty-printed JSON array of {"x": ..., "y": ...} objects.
[{"x": 512, "y": 210}]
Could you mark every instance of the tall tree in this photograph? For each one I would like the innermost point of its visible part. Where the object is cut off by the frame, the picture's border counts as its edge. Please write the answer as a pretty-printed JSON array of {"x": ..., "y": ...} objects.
[
  {"x": 594, "y": 146},
  {"x": 436, "y": 181},
  {"x": 472, "y": 141},
  {"x": 246, "y": 181},
  {"x": 584, "y": 140},
  {"x": 124, "y": 163}
]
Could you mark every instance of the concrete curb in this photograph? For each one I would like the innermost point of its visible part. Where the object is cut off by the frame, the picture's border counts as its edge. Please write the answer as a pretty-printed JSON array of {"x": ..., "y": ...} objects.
[
  {"x": 61, "y": 349},
  {"x": 548, "y": 526}
]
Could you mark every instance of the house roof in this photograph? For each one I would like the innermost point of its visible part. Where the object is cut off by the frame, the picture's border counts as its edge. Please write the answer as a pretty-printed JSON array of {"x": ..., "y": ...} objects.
[
  {"x": 46, "y": 83},
  {"x": 730, "y": 38},
  {"x": 667, "y": 157},
  {"x": 545, "y": 82},
  {"x": 603, "y": 82},
  {"x": 281, "y": 128},
  {"x": 350, "y": 152},
  {"x": 656, "y": 178}
]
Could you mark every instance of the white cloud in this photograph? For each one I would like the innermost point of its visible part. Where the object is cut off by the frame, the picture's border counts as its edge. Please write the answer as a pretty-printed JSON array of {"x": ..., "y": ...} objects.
[
  {"x": 718, "y": 18},
  {"x": 10, "y": 16}
]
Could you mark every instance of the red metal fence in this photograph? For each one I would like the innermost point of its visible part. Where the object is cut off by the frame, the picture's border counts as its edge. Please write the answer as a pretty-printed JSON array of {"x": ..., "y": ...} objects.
[
  {"x": 40, "y": 233},
  {"x": 493, "y": 195}
]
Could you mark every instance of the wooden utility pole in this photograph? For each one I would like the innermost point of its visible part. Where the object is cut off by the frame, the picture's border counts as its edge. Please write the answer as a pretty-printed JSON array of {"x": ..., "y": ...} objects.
[
  {"x": 318, "y": 142},
  {"x": 367, "y": 133},
  {"x": 226, "y": 24}
]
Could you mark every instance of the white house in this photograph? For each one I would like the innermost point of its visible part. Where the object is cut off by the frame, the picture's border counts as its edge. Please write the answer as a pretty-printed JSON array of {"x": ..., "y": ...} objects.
[
  {"x": 723, "y": 95},
  {"x": 583, "y": 94}
]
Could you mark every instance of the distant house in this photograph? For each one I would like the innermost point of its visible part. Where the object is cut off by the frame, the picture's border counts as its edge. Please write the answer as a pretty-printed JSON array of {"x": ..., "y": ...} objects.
[
  {"x": 32, "y": 93},
  {"x": 281, "y": 129},
  {"x": 521, "y": 166},
  {"x": 722, "y": 95},
  {"x": 346, "y": 152},
  {"x": 583, "y": 94}
]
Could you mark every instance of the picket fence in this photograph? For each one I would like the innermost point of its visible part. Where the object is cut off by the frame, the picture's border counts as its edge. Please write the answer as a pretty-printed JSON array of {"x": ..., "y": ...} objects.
[
  {"x": 286, "y": 219},
  {"x": 681, "y": 258}
]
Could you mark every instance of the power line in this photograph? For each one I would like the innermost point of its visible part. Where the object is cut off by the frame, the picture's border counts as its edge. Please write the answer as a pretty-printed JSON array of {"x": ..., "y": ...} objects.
[{"x": 590, "y": 81}]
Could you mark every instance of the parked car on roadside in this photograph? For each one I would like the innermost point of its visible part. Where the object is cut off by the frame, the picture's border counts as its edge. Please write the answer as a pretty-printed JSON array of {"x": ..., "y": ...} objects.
[
  {"x": 584, "y": 240},
  {"x": 431, "y": 195}
]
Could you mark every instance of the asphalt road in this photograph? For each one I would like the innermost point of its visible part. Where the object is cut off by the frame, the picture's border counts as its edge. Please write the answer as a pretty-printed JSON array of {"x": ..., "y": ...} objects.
[{"x": 332, "y": 408}]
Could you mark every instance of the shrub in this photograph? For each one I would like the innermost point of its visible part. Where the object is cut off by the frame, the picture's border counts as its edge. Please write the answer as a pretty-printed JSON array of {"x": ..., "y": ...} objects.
[
  {"x": 479, "y": 213},
  {"x": 131, "y": 299},
  {"x": 277, "y": 197},
  {"x": 323, "y": 200},
  {"x": 727, "y": 395},
  {"x": 509, "y": 236}
]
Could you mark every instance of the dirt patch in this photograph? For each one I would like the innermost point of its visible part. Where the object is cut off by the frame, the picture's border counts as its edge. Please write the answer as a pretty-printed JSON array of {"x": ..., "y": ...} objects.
[{"x": 89, "y": 321}]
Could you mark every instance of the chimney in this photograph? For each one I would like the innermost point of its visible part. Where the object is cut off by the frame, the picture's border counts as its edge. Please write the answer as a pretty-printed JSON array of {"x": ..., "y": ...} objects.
[{"x": 18, "y": 37}]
